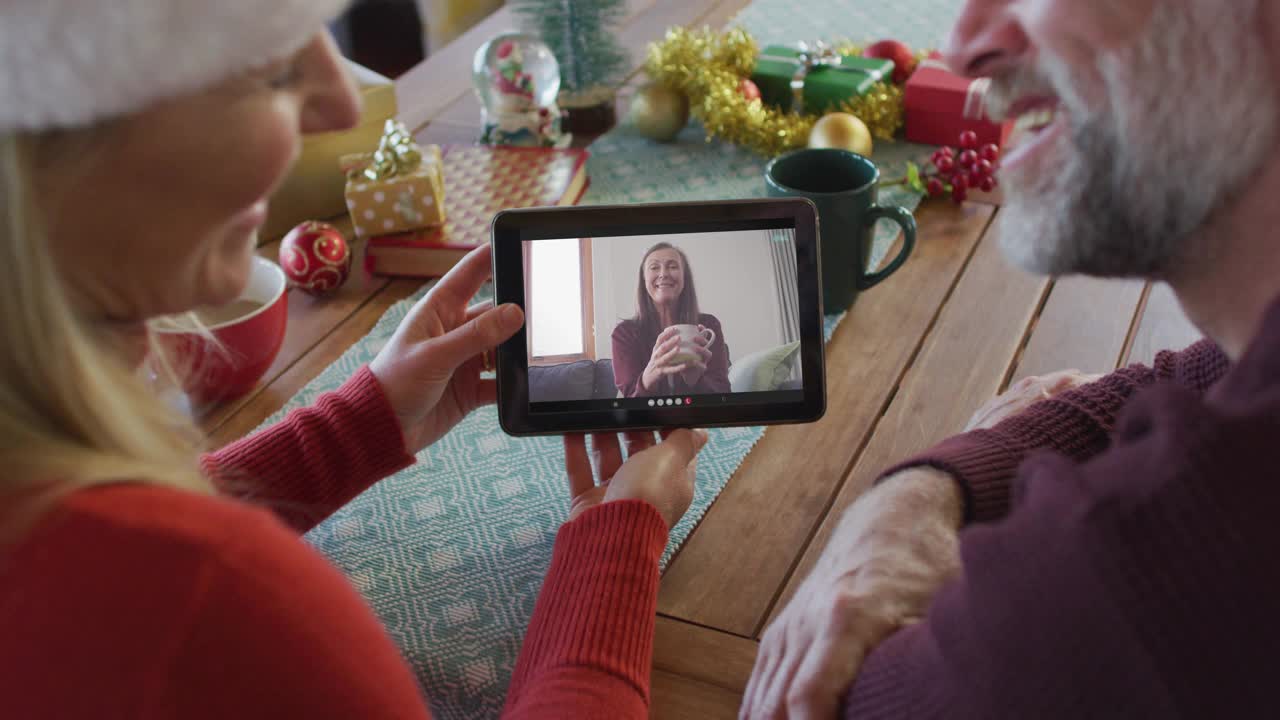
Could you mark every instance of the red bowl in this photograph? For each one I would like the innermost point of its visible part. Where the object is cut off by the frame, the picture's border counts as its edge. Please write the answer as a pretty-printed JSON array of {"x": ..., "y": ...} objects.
[{"x": 246, "y": 345}]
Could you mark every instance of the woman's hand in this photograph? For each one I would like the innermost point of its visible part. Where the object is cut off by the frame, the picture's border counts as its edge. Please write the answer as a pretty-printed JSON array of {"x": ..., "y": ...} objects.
[
  {"x": 661, "y": 475},
  {"x": 430, "y": 370},
  {"x": 661, "y": 361},
  {"x": 694, "y": 371}
]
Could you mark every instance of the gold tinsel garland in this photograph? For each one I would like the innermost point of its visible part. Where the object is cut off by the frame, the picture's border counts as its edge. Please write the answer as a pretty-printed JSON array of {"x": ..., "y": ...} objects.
[{"x": 709, "y": 68}]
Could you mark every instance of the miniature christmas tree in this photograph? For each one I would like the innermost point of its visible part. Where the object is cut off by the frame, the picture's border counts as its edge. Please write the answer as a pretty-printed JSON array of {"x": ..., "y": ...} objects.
[{"x": 580, "y": 35}]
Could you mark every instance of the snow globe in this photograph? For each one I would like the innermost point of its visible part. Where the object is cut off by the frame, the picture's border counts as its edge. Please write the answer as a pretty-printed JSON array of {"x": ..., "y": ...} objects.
[{"x": 518, "y": 80}]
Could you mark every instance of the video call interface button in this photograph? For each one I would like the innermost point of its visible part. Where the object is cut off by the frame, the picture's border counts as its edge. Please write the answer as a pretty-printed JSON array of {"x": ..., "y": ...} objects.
[
  {"x": 749, "y": 398},
  {"x": 668, "y": 402}
]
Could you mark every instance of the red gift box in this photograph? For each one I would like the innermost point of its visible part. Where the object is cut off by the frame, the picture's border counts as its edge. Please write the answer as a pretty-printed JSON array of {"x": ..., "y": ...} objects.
[{"x": 940, "y": 105}]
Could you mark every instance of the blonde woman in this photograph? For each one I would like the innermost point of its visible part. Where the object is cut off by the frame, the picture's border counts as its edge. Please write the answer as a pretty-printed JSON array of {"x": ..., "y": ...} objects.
[{"x": 138, "y": 143}]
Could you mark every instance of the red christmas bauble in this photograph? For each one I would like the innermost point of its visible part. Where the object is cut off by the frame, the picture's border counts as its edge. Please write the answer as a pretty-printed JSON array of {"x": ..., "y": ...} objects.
[
  {"x": 904, "y": 61},
  {"x": 749, "y": 89},
  {"x": 315, "y": 257}
]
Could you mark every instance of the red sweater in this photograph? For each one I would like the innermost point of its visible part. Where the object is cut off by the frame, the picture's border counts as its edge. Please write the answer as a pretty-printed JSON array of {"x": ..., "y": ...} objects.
[
  {"x": 1124, "y": 564},
  {"x": 134, "y": 601}
]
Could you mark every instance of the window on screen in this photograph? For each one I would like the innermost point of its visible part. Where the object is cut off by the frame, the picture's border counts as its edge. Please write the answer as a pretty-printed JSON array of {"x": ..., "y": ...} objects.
[{"x": 559, "y": 302}]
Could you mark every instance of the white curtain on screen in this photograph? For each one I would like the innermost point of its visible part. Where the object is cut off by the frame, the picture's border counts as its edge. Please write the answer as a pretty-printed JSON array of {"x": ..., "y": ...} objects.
[{"x": 782, "y": 247}]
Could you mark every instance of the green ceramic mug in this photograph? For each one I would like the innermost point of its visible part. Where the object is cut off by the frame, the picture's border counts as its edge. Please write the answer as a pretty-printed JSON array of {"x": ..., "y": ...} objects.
[{"x": 844, "y": 185}]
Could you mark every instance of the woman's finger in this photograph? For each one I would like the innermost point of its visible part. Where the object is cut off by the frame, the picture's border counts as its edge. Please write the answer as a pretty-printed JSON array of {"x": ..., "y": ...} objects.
[
  {"x": 462, "y": 282},
  {"x": 638, "y": 442},
  {"x": 606, "y": 455},
  {"x": 577, "y": 465},
  {"x": 477, "y": 310},
  {"x": 665, "y": 346},
  {"x": 484, "y": 360},
  {"x": 476, "y": 336},
  {"x": 670, "y": 354}
]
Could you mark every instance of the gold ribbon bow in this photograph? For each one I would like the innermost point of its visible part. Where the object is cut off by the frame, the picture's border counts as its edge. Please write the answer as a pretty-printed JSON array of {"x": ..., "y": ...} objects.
[
  {"x": 397, "y": 154},
  {"x": 820, "y": 56}
]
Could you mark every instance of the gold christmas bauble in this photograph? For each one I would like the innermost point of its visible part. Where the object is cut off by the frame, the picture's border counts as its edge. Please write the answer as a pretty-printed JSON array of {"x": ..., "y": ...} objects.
[
  {"x": 843, "y": 132},
  {"x": 659, "y": 112}
]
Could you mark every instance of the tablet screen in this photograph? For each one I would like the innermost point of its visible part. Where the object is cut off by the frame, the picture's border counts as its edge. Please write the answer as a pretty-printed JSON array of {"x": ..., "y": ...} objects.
[{"x": 678, "y": 321}]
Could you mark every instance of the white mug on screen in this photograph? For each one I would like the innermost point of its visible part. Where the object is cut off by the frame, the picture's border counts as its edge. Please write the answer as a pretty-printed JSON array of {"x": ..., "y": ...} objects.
[{"x": 687, "y": 334}]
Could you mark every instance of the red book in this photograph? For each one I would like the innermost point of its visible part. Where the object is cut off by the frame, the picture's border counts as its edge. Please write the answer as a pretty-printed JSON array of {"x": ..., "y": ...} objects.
[
  {"x": 940, "y": 105},
  {"x": 479, "y": 181}
]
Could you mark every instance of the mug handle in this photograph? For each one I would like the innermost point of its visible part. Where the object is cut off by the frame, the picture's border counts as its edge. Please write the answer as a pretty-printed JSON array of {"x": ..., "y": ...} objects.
[
  {"x": 711, "y": 340},
  {"x": 908, "y": 223}
]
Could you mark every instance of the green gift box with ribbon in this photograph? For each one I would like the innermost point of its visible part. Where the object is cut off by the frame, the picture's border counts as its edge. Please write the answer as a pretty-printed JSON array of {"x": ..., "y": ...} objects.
[{"x": 817, "y": 79}]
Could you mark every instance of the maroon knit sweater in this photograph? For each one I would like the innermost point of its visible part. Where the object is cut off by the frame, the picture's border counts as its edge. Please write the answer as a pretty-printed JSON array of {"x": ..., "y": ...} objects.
[{"x": 1121, "y": 560}]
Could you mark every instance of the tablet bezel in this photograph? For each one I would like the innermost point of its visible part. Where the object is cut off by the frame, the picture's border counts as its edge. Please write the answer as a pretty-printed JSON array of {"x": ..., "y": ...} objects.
[{"x": 511, "y": 228}]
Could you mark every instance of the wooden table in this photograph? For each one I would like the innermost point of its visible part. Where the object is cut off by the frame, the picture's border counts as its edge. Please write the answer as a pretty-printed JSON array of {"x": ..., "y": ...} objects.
[{"x": 906, "y": 368}]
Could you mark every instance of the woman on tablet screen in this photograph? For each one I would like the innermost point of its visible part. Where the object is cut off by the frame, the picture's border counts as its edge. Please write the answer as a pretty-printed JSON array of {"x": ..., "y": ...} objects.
[{"x": 669, "y": 347}]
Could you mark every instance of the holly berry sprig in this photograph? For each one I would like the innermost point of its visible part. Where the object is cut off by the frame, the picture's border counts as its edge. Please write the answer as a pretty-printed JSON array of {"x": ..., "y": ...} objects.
[{"x": 957, "y": 170}]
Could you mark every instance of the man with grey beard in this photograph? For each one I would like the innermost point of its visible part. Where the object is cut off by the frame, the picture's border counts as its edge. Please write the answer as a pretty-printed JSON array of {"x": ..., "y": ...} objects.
[{"x": 1115, "y": 560}]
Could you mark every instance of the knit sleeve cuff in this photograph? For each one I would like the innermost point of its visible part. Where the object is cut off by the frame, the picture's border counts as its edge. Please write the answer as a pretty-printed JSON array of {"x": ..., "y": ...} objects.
[
  {"x": 597, "y": 606},
  {"x": 982, "y": 466},
  {"x": 362, "y": 408},
  {"x": 322, "y": 455}
]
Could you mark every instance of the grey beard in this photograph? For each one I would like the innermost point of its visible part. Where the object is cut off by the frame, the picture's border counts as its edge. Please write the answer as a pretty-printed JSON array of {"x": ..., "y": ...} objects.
[
  {"x": 1138, "y": 194},
  {"x": 1081, "y": 221}
]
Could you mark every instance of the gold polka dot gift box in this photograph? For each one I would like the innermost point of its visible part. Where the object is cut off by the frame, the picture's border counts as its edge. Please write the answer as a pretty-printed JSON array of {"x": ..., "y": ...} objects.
[{"x": 399, "y": 187}]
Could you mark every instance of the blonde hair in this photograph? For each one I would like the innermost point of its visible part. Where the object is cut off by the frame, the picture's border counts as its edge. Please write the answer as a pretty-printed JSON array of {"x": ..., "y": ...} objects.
[{"x": 73, "y": 413}]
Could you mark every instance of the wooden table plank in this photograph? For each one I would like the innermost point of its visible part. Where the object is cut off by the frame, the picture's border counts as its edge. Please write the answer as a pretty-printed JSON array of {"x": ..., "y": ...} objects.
[
  {"x": 720, "y": 581},
  {"x": 1163, "y": 326},
  {"x": 440, "y": 132},
  {"x": 702, "y": 654},
  {"x": 723, "y": 14},
  {"x": 1084, "y": 325},
  {"x": 343, "y": 335},
  {"x": 964, "y": 360},
  {"x": 675, "y": 697}
]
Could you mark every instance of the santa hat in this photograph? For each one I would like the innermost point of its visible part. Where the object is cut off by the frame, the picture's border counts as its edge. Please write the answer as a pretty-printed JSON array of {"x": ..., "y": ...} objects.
[{"x": 70, "y": 63}]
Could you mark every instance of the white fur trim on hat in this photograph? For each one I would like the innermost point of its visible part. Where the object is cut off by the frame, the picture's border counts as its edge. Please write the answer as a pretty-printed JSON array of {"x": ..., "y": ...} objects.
[{"x": 68, "y": 63}]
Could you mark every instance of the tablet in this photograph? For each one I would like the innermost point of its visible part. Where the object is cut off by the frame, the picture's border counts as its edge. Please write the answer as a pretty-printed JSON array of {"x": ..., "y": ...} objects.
[{"x": 656, "y": 316}]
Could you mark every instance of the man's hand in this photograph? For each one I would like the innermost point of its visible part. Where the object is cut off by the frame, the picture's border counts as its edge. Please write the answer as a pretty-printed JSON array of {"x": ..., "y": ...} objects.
[
  {"x": 1025, "y": 393},
  {"x": 894, "y": 548}
]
